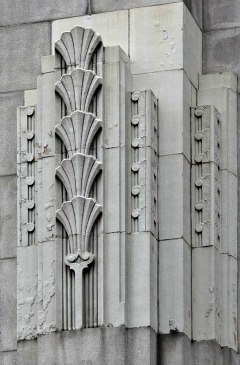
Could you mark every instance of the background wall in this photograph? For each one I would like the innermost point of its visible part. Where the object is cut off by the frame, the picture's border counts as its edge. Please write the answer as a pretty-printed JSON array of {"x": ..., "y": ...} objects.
[{"x": 25, "y": 36}]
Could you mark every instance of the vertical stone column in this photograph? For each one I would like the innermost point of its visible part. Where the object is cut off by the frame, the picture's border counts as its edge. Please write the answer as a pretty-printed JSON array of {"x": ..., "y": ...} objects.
[
  {"x": 80, "y": 167},
  {"x": 117, "y": 98},
  {"x": 142, "y": 212},
  {"x": 215, "y": 275}
]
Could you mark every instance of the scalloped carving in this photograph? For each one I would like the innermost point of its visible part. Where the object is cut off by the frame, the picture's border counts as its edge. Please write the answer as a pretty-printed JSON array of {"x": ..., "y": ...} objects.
[
  {"x": 78, "y": 47},
  {"x": 78, "y": 174},
  {"x": 78, "y": 217},
  {"x": 77, "y": 89},
  {"x": 78, "y": 131}
]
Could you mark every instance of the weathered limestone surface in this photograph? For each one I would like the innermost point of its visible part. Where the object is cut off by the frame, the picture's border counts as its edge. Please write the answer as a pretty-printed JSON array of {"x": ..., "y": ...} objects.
[
  {"x": 9, "y": 357},
  {"x": 97, "y": 346},
  {"x": 8, "y": 123},
  {"x": 220, "y": 53},
  {"x": 31, "y": 11},
  {"x": 101, "y": 23},
  {"x": 221, "y": 14},
  {"x": 25, "y": 44},
  {"x": 8, "y": 216},
  {"x": 8, "y": 304}
]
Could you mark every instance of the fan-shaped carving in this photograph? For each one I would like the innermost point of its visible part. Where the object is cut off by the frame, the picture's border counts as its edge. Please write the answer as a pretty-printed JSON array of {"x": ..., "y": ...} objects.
[
  {"x": 78, "y": 47},
  {"x": 77, "y": 89},
  {"x": 78, "y": 174},
  {"x": 78, "y": 131},
  {"x": 78, "y": 217}
]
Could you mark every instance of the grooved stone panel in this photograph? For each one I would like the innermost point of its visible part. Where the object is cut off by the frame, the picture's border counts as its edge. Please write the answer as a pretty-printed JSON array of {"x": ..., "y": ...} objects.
[
  {"x": 8, "y": 126},
  {"x": 8, "y": 305},
  {"x": 221, "y": 14},
  {"x": 21, "y": 51},
  {"x": 220, "y": 51},
  {"x": 8, "y": 216}
]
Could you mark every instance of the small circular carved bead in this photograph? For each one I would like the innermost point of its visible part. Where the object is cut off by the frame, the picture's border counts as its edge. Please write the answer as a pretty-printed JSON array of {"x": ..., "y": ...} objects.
[
  {"x": 30, "y": 204},
  {"x": 29, "y": 157},
  {"x": 199, "y": 183},
  {"x": 198, "y": 136},
  {"x": 135, "y": 119},
  {"x": 199, "y": 228},
  {"x": 199, "y": 206},
  {"x": 30, "y": 111},
  {"x": 30, "y": 135},
  {"x": 135, "y": 167},
  {"x": 30, "y": 227},
  {"x": 135, "y": 143},
  {"x": 136, "y": 95},
  {"x": 198, "y": 159},
  {"x": 30, "y": 180},
  {"x": 135, "y": 190},
  {"x": 135, "y": 213},
  {"x": 198, "y": 112}
]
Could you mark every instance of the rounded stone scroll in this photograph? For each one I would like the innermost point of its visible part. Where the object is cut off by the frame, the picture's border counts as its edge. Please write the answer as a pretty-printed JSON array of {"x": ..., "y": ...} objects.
[
  {"x": 199, "y": 228},
  {"x": 198, "y": 112},
  {"x": 135, "y": 167},
  {"x": 136, "y": 95},
  {"x": 30, "y": 180},
  {"x": 135, "y": 119},
  {"x": 135, "y": 213},
  {"x": 30, "y": 111},
  {"x": 30, "y": 204},
  {"x": 30, "y": 227}
]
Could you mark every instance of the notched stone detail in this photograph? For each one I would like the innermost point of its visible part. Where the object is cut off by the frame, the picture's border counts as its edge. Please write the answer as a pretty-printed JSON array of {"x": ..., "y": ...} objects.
[
  {"x": 144, "y": 162},
  {"x": 206, "y": 176},
  {"x": 26, "y": 157}
]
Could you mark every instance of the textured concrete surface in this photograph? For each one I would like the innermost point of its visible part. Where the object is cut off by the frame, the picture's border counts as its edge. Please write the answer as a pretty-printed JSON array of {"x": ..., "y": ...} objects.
[
  {"x": 8, "y": 305},
  {"x": 29, "y": 11},
  {"x": 221, "y": 14},
  {"x": 220, "y": 51},
  {"x": 9, "y": 358},
  {"x": 27, "y": 352},
  {"x": 8, "y": 126},
  {"x": 8, "y": 216},
  {"x": 99, "y": 346},
  {"x": 21, "y": 50},
  {"x": 118, "y": 346}
]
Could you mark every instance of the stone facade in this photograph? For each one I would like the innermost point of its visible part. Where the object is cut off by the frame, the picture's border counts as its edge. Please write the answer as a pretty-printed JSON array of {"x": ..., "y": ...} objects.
[{"x": 119, "y": 238}]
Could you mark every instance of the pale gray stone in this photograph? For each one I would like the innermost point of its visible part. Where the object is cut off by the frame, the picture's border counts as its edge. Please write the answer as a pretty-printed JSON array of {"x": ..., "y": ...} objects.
[
  {"x": 27, "y": 352},
  {"x": 175, "y": 349},
  {"x": 9, "y": 358},
  {"x": 220, "y": 51},
  {"x": 196, "y": 10},
  {"x": 8, "y": 305},
  {"x": 17, "y": 12},
  {"x": 31, "y": 11},
  {"x": 8, "y": 216},
  {"x": 221, "y": 14},
  {"x": 21, "y": 50},
  {"x": 8, "y": 126},
  {"x": 98, "y": 346}
]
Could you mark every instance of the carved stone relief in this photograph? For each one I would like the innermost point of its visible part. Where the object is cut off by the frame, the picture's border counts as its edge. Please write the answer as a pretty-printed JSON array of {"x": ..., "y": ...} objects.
[
  {"x": 79, "y": 131},
  {"x": 206, "y": 177},
  {"x": 62, "y": 206}
]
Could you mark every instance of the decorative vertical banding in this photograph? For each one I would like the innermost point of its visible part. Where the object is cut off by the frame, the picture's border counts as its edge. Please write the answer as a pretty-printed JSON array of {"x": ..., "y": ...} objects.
[
  {"x": 80, "y": 174},
  {"x": 206, "y": 176},
  {"x": 144, "y": 144},
  {"x": 26, "y": 176}
]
